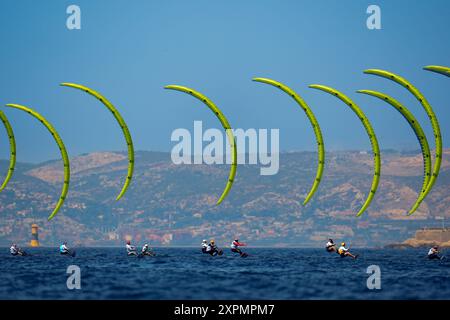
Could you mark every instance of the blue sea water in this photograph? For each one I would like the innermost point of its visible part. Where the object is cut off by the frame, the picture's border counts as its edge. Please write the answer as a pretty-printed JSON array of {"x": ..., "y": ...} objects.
[{"x": 185, "y": 273}]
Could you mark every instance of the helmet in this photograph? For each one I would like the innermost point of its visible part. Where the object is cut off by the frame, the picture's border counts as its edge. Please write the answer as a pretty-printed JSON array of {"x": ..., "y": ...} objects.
[
  {"x": 331, "y": 240},
  {"x": 204, "y": 241},
  {"x": 145, "y": 245},
  {"x": 343, "y": 244},
  {"x": 435, "y": 247},
  {"x": 237, "y": 240},
  {"x": 65, "y": 242},
  {"x": 212, "y": 242},
  {"x": 128, "y": 242}
]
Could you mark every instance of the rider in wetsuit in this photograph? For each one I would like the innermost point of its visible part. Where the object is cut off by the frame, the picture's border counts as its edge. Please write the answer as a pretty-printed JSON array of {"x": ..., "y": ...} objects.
[
  {"x": 434, "y": 253},
  {"x": 131, "y": 250},
  {"x": 235, "y": 246},
  {"x": 146, "y": 251},
  {"x": 212, "y": 248},
  {"x": 204, "y": 246},
  {"x": 63, "y": 249},
  {"x": 331, "y": 246},
  {"x": 14, "y": 250},
  {"x": 344, "y": 252}
]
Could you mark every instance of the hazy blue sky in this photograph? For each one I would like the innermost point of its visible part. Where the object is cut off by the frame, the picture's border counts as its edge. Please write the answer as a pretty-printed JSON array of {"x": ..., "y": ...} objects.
[{"x": 128, "y": 50}]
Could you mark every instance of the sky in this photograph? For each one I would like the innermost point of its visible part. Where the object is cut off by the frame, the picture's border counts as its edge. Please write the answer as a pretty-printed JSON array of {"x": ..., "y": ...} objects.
[{"x": 129, "y": 50}]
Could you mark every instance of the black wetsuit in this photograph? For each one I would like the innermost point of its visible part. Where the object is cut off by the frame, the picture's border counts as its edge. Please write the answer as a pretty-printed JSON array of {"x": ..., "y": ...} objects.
[
  {"x": 214, "y": 250},
  {"x": 236, "y": 250},
  {"x": 147, "y": 252},
  {"x": 434, "y": 256}
]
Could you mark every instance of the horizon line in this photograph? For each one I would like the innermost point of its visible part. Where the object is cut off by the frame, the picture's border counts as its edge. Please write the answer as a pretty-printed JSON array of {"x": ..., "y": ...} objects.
[{"x": 389, "y": 150}]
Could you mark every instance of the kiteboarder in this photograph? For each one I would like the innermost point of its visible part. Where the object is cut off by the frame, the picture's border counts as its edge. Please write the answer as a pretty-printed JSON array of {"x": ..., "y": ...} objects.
[
  {"x": 131, "y": 250},
  {"x": 344, "y": 252},
  {"x": 204, "y": 246},
  {"x": 16, "y": 251},
  {"x": 212, "y": 249},
  {"x": 147, "y": 251},
  {"x": 434, "y": 253},
  {"x": 235, "y": 247},
  {"x": 63, "y": 249},
  {"x": 331, "y": 246}
]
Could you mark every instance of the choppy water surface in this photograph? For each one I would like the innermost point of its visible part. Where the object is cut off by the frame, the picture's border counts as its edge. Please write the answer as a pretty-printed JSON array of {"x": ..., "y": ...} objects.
[{"x": 107, "y": 273}]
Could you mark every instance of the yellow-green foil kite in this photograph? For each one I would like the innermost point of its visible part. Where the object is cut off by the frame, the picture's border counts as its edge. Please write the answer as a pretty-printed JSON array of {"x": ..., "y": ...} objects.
[
  {"x": 122, "y": 124},
  {"x": 434, "y": 123},
  {"x": 439, "y": 69},
  {"x": 227, "y": 128},
  {"x": 62, "y": 149},
  {"x": 372, "y": 137},
  {"x": 12, "y": 148},
  {"x": 315, "y": 125},
  {"x": 420, "y": 134}
]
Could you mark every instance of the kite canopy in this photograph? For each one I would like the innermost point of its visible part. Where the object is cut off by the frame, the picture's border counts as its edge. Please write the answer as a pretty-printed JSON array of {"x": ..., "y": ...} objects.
[
  {"x": 12, "y": 150},
  {"x": 62, "y": 149},
  {"x": 418, "y": 132},
  {"x": 439, "y": 69},
  {"x": 372, "y": 137},
  {"x": 223, "y": 120},
  {"x": 122, "y": 124},
  {"x": 434, "y": 123},
  {"x": 315, "y": 125}
]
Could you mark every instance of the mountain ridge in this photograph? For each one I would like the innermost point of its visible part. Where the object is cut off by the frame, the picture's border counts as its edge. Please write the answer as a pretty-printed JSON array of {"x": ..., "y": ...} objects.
[{"x": 171, "y": 204}]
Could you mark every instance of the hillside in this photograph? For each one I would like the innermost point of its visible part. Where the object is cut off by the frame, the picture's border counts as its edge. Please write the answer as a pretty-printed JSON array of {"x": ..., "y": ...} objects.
[{"x": 175, "y": 204}]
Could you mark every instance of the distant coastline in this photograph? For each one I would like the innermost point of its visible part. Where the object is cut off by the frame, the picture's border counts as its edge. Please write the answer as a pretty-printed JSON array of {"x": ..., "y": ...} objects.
[{"x": 426, "y": 237}]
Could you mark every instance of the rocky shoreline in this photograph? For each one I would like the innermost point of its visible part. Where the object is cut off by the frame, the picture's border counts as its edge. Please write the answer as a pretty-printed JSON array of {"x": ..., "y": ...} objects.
[{"x": 425, "y": 238}]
